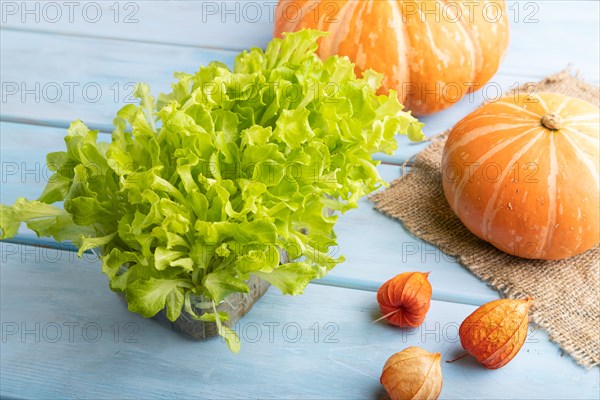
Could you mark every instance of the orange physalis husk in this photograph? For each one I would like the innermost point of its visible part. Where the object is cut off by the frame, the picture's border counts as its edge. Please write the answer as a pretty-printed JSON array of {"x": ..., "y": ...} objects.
[
  {"x": 404, "y": 300},
  {"x": 413, "y": 374},
  {"x": 496, "y": 331}
]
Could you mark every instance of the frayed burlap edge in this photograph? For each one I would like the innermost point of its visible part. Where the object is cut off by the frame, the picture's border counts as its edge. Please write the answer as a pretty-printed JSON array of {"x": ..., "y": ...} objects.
[{"x": 566, "y": 293}]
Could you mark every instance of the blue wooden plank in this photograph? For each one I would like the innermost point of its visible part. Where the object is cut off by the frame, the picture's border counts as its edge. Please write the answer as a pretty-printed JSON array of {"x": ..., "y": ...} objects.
[
  {"x": 537, "y": 48},
  {"x": 23, "y": 168},
  {"x": 29, "y": 238},
  {"x": 196, "y": 23},
  {"x": 388, "y": 251},
  {"x": 64, "y": 334},
  {"x": 87, "y": 79}
]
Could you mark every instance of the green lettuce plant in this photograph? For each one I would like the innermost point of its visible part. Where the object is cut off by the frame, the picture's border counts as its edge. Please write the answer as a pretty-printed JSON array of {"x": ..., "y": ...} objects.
[{"x": 203, "y": 187}]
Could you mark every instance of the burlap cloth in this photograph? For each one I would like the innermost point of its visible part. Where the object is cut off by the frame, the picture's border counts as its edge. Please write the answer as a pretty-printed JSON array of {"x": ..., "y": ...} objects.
[{"x": 566, "y": 293}]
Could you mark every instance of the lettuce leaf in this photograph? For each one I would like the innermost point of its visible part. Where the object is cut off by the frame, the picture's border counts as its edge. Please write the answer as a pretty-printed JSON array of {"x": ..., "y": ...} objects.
[{"x": 203, "y": 186}]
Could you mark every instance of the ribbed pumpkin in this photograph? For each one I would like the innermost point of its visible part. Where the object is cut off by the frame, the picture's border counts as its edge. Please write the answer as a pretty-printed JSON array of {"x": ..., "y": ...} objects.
[
  {"x": 523, "y": 174},
  {"x": 431, "y": 52}
]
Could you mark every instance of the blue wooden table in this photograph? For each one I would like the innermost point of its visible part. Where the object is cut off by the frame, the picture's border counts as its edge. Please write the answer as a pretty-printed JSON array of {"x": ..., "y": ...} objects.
[{"x": 65, "y": 334}]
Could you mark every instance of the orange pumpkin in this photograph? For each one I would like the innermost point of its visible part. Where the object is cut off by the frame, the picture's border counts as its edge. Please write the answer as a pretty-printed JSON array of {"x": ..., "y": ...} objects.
[
  {"x": 523, "y": 174},
  {"x": 431, "y": 52}
]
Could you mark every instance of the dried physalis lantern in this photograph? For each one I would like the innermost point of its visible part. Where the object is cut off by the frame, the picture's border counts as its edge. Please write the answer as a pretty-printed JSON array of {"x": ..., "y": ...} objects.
[
  {"x": 404, "y": 300},
  {"x": 412, "y": 374},
  {"x": 496, "y": 331}
]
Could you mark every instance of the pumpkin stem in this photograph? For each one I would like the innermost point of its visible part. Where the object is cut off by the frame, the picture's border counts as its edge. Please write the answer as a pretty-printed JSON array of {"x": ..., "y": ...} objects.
[
  {"x": 552, "y": 121},
  {"x": 457, "y": 358}
]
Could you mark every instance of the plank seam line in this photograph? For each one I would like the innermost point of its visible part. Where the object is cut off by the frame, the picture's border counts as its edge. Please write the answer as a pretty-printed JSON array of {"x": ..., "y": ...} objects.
[
  {"x": 50, "y": 124},
  {"x": 118, "y": 39},
  {"x": 349, "y": 286}
]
